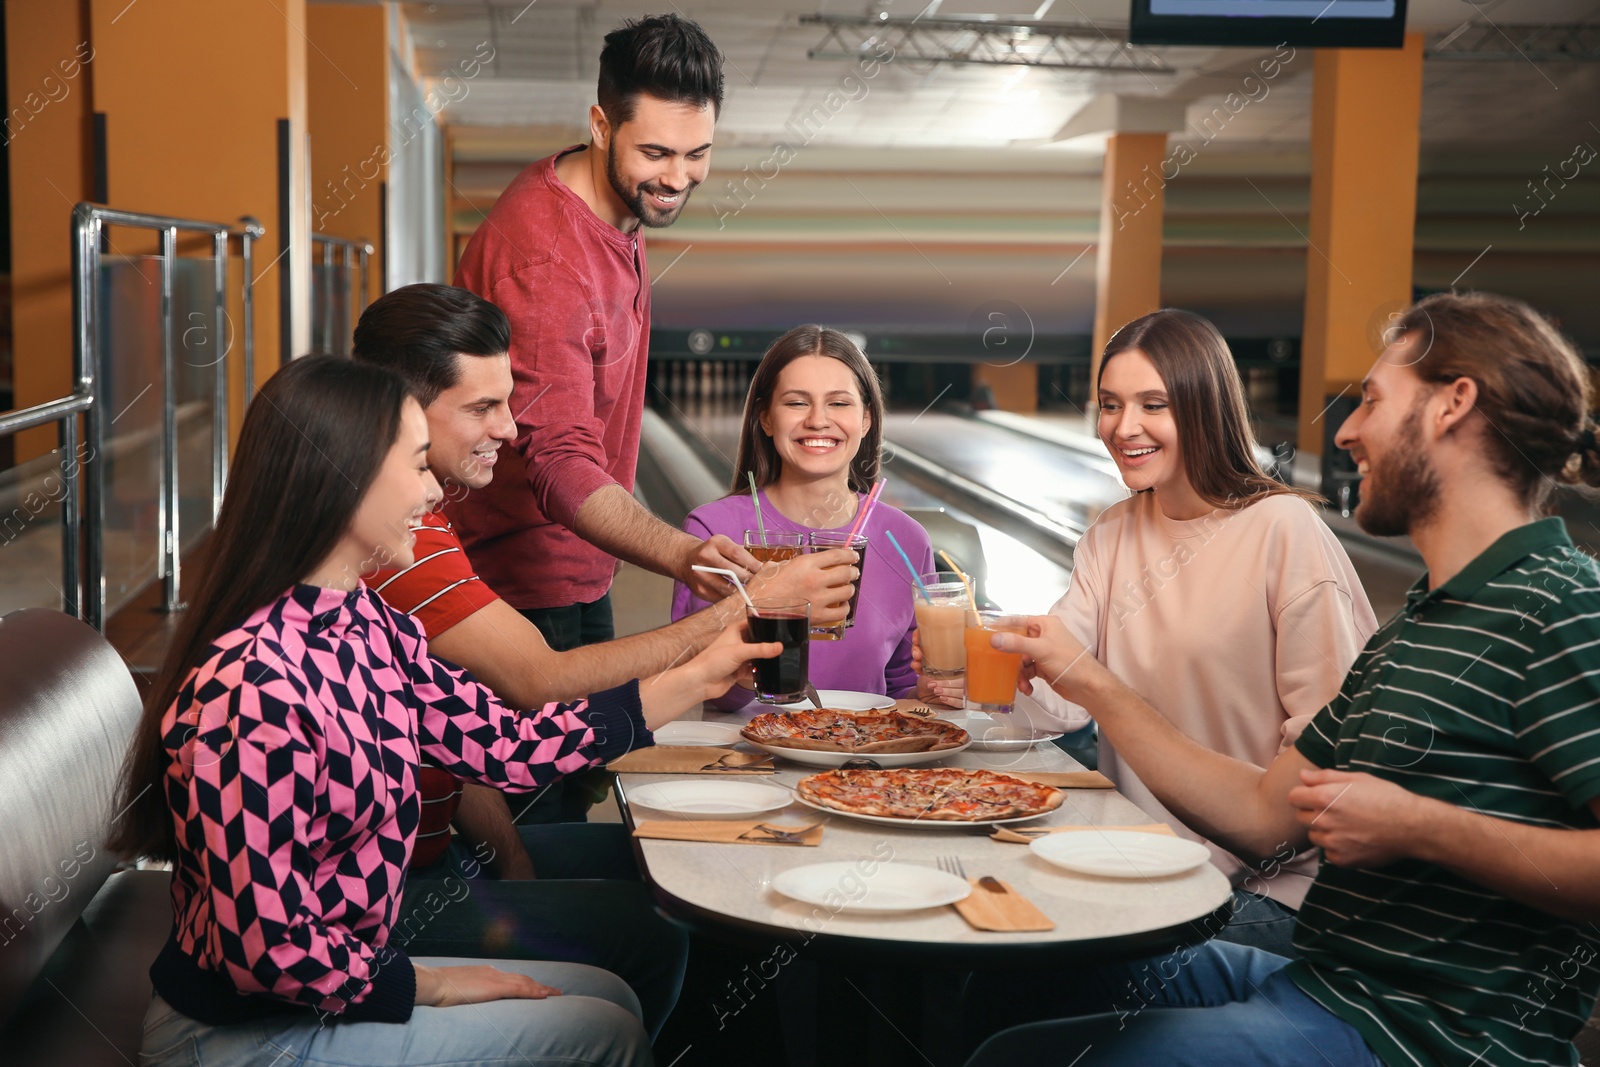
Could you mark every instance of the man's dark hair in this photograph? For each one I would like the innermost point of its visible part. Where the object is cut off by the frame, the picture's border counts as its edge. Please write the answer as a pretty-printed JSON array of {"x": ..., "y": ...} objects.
[
  {"x": 667, "y": 56},
  {"x": 417, "y": 330}
]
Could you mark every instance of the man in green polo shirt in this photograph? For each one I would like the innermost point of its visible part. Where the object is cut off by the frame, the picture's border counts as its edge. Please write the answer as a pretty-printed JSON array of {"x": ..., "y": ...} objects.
[{"x": 1453, "y": 785}]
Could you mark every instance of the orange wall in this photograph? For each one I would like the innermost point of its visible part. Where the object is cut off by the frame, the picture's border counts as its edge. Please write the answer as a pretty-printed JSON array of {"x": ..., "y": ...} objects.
[
  {"x": 193, "y": 91},
  {"x": 49, "y": 145},
  {"x": 347, "y": 89},
  {"x": 1366, "y": 111}
]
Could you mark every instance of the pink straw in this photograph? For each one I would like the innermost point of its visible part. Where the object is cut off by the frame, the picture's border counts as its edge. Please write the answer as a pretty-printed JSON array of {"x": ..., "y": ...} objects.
[{"x": 867, "y": 506}]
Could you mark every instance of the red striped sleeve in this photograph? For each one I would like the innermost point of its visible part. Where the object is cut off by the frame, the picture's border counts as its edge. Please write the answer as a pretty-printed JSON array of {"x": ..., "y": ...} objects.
[{"x": 440, "y": 588}]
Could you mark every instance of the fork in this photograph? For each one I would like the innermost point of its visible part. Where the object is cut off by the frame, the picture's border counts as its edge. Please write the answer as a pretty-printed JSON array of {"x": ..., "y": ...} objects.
[
  {"x": 953, "y": 865},
  {"x": 787, "y": 837},
  {"x": 722, "y": 764}
]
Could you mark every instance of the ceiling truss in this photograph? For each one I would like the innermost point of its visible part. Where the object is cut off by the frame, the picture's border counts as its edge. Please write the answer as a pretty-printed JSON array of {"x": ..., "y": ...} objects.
[
  {"x": 1053, "y": 46},
  {"x": 1538, "y": 44}
]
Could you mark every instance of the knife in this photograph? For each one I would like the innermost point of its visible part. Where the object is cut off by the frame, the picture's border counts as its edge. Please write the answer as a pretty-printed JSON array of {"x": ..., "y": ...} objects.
[{"x": 811, "y": 695}]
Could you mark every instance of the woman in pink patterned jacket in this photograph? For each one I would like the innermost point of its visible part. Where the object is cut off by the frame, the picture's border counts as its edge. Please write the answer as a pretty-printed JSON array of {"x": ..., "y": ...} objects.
[{"x": 276, "y": 768}]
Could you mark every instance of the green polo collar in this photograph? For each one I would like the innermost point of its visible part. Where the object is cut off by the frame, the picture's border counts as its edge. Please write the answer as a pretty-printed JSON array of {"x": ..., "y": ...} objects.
[{"x": 1512, "y": 547}]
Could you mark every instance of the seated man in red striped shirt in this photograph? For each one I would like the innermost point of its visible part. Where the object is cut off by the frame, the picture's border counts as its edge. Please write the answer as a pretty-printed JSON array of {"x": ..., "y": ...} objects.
[{"x": 451, "y": 345}]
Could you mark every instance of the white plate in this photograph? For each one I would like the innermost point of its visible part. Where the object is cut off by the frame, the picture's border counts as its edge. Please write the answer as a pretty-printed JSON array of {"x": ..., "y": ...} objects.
[
  {"x": 1120, "y": 853},
  {"x": 845, "y": 700},
  {"x": 814, "y": 758},
  {"x": 708, "y": 734},
  {"x": 711, "y": 799},
  {"x": 889, "y": 886},
  {"x": 920, "y": 824},
  {"x": 995, "y": 734}
]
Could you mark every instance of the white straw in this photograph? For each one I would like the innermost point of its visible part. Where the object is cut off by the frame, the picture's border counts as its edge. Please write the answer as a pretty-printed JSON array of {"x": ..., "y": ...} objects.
[{"x": 732, "y": 577}]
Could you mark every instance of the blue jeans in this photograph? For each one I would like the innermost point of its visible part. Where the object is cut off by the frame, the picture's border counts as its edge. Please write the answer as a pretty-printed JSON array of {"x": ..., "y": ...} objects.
[
  {"x": 568, "y": 799},
  {"x": 1260, "y": 922},
  {"x": 578, "y": 910},
  {"x": 1222, "y": 1005},
  {"x": 595, "y": 1021}
]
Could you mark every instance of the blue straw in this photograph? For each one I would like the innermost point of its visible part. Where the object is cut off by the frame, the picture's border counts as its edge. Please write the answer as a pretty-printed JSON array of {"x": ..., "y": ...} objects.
[{"x": 915, "y": 577}]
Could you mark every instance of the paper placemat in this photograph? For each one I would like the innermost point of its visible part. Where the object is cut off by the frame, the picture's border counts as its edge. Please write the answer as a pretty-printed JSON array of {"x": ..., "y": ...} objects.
[
  {"x": 1005, "y": 833},
  {"x": 1001, "y": 909},
  {"x": 692, "y": 759},
  {"x": 1064, "y": 779},
  {"x": 727, "y": 832}
]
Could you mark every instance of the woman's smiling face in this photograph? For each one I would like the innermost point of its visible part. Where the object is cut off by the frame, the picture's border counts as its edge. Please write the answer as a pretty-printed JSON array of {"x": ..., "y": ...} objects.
[
  {"x": 816, "y": 417},
  {"x": 1136, "y": 423}
]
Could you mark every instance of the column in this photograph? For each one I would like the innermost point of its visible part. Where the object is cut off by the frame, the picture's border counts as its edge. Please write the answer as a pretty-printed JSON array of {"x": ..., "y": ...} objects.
[
  {"x": 1366, "y": 108},
  {"x": 347, "y": 89},
  {"x": 1128, "y": 256},
  {"x": 204, "y": 111},
  {"x": 49, "y": 71}
]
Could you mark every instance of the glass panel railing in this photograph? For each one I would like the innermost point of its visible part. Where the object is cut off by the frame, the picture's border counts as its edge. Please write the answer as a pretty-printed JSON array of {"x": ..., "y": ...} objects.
[
  {"x": 331, "y": 321},
  {"x": 30, "y": 534},
  {"x": 133, "y": 389}
]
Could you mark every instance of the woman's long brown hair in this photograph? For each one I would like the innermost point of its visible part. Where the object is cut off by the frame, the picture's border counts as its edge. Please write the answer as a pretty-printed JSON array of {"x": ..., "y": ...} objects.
[
  {"x": 1208, "y": 405},
  {"x": 758, "y": 455},
  {"x": 312, "y": 443}
]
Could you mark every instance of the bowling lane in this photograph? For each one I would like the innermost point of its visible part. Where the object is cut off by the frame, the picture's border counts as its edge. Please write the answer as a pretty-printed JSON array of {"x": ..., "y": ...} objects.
[{"x": 1071, "y": 486}]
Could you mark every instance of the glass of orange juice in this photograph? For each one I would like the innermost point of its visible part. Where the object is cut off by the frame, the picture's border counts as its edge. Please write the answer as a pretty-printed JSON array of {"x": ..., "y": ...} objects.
[
  {"x": 992, "y": 675},
  {"x": 941, "y": 620}
]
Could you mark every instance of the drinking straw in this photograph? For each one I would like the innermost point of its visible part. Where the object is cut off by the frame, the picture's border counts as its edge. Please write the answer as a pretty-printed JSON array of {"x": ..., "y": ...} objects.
[
  {"x": 867, "y": 506},
  {"x": 732, "y": 577},
  {"x": 755, "y": 498},
  {"x": 972, "y": 597},
  {"x": 915, "y": 577}
]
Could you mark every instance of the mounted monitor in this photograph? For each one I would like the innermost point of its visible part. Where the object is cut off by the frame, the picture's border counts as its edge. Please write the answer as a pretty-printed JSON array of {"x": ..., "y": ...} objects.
[{"x": 1301, "y": 23}]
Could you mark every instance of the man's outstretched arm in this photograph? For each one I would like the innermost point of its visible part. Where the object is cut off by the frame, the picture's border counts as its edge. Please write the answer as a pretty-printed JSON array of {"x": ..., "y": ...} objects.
[{"x": 1238, "y": 805}]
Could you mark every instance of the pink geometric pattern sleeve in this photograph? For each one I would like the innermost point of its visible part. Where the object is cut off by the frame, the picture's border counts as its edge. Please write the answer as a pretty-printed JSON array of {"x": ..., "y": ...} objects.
[{"x": 464, "y": 729}]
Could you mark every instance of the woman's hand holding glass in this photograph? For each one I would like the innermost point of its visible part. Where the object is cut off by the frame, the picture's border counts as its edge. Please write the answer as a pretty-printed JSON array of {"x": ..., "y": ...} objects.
[
  {"x": 721, "y": 665},
  {"x": 727, "y": 659},
  {"x": 950, "y": 691}
]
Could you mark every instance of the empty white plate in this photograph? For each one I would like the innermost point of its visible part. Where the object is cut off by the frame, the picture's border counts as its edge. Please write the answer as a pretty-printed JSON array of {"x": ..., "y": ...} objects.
[
  {"x": 708, "y": 734},
  {"x": 846, "y": 700},
  {"x": 1120, "y": 853},
  {"x": 713, "y": 799},
  {"x": 865, "y": 886},
  {"x": 998, "y": 733}
]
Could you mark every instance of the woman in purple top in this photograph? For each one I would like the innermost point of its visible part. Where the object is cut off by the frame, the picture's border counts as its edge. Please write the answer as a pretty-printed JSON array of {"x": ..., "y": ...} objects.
[
  {"x": 812, "y": 433},
  {"x": 276, "y": 768}
]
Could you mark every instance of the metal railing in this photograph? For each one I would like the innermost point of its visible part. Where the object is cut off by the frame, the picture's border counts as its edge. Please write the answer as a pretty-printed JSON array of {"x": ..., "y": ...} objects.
[
  {"x": 83, "y": 588},
  {"x": 335, "y": 318}
]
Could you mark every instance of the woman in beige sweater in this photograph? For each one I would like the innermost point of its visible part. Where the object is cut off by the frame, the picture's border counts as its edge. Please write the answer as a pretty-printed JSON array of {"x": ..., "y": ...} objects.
[{"x": 1215, "y": 591}]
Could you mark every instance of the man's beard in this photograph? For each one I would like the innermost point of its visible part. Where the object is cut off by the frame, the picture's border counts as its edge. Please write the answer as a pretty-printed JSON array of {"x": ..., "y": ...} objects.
[
  {"x": 1407, "y": 492},
  {"x": 646, "y": 212}
]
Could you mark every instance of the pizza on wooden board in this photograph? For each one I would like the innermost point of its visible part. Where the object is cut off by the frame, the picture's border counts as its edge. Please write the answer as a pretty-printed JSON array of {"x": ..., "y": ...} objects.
[
  {"x": 828, "y": 730},
  {"x": 950, "y": 794}
]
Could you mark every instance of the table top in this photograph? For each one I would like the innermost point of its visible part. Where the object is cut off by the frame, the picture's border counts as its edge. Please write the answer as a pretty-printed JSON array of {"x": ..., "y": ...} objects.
[{"x": 728, "y": 887}]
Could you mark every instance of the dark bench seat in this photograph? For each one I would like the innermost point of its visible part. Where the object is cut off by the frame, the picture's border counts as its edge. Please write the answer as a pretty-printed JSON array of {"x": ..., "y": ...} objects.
[{"x": 76, "y": 935}]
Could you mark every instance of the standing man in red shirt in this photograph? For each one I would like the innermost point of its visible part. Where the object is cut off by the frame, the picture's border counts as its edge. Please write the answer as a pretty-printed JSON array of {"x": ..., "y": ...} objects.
[{"x": 563, "y": 255}]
